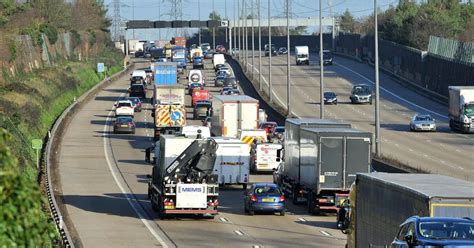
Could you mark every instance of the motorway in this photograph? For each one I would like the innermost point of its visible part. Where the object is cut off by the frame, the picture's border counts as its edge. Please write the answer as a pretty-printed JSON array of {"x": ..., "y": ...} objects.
[
  {"x": 103, "y": 189},
  {"x": 443, "y": 152}
]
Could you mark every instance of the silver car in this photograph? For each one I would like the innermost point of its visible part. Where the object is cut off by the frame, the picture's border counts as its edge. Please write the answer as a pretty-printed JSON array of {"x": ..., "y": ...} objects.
[{"x": 422, "y": 122}]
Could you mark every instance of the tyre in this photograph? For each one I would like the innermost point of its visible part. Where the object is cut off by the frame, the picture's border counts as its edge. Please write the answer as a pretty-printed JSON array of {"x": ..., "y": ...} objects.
[
  {"x": 310, "y": 204},
  {"x": 244, "y": 186},
  {"x": 294, "y": 195},
  {"x": 154, "y": 206},
  {"x": 133, "y": 131},
  {"x": 282, "y": 213},
  {"x": 251, "y": 212},
  {"x": 335, "y": 102}
]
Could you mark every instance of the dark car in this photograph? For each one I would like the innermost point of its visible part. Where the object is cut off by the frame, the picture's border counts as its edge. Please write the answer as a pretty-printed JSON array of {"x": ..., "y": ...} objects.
[
  {"x": 202, "y": 109},
  {"x": 209, "y": 54},
  {"x": 137, "y": 103},
  {"x": 230, "y": 92},
  {"x": 268, "y": 126},
  {"x": 124, "y": 124},
  {"x": 193, "y": 86},
  {"x": 279, "y": 132},
  {"x": 137, "y": 90},
  {"x": 273, "y": 49},
  {"x": 330, "y": 97},
  {"x": 327, "y": 57},
  {"x": 139, "y": 53},
  {"x": 435, "y": 232},
  {"x": 221, "y": 49},
  {"x": 219, "y": 81},
  {"x": 198, "y": 63},
  {"x": 230, "y": 82},
  {"x": 361, "y": 93},
  {"x": 218, "y": 66},
  {"x": 264, "y": 197},
  {"x": 282, "y": 50}
]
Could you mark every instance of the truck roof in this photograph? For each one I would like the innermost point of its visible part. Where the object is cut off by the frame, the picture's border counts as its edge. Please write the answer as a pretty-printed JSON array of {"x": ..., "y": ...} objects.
[
  {"x": 429, "y": 185},
  {"x": 316, "y": 121},
  {"x": 235, "y": 98},
  {"x": 461, "y": 87},
  {"x": 228, "y": 140},
  {"x": 338, "y": 131}
]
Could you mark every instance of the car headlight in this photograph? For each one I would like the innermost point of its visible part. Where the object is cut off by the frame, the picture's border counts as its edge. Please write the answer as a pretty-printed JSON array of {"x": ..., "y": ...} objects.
[
  {"x": 417, "y": 125},
  {"x": 465, "y": 119},
  {"x": 356, "y": 96}
]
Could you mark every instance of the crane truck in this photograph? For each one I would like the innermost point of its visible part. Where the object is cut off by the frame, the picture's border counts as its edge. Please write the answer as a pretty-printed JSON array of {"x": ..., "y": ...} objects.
[{"x": 183, "y": 183}]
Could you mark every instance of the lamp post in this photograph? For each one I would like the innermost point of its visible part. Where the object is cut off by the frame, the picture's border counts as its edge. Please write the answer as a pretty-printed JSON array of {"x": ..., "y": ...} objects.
[
  {"x": 270, "y": 94},
  {"x": 321, "y": 62},
  {"x": 288, "y": 70},
  {"x": 377, "y": 97}
]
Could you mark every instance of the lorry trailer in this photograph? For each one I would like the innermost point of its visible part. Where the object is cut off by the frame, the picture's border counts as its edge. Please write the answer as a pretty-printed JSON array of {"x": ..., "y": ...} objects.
[
  {"x": 233, "y": 113},
  {"x": 380, "y": 202},
  {"x": 232, "y": 161}
]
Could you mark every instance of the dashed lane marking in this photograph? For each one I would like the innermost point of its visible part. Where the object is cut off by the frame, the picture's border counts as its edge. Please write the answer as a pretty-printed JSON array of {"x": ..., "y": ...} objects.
[
  {"x": 239, "y": 233},
  {"x": 302, "y": 219},
  {"x": 325, "y": 233},
  {"x": 223, "y": 219}
]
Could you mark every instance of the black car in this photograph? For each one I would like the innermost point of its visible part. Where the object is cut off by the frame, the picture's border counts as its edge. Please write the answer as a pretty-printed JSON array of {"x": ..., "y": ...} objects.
[
  {"x": 435, "y": 232},
  {"x": 230, "y": 82},
  {"x": 139, "y": 53},
  {"x": 282, "y": 50},
  {"x": 327, "y": 57},
  {"x": 218, "y": 66},
  {"x": 198, "y": 63},
  {"x": 124, "y": 124},
  {"x": 137, "y": 90},
  {"x": 273, "y": 49},
  {"x": 202, "y": 110},
  {"x": 330, "y": 98},
  {"x": 219, "y": 81}
]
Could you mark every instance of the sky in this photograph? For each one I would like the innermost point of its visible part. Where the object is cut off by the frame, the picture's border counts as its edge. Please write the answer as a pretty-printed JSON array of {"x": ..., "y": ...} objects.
[{"x": 153, "y": 9}]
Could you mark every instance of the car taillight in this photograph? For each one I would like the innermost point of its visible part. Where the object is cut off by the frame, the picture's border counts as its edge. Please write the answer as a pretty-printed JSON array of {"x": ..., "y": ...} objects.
[
  {"x": 282, "y": 198},
  {"x": 214, "y": 203},
  {"x": 245, "y": 178},
  {"x": 253, "y": 198},
  {"x": 167, "y": 202}
]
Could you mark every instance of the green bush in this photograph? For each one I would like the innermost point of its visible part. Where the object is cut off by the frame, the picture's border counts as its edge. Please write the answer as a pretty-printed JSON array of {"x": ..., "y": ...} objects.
[
  {"x": 92, "y": 37},
  {"x": 76, "y": 38},
  {"x": 22, "y": 220},
  {"x": 51, "y": 32}
]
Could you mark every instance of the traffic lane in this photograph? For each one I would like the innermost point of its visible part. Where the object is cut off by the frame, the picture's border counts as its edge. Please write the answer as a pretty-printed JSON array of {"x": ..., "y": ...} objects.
[
  {"x": 94, "y": 202},
  {"x": 185, "y": 230},
  {"x": 419, "y": 155}
]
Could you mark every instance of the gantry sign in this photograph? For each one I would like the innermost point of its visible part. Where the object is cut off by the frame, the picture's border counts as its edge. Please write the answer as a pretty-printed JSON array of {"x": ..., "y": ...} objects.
[{"x": 145, "y": 24}]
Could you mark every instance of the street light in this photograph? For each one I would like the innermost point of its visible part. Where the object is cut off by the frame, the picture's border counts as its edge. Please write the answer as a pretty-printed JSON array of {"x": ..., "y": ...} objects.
[
  {"x": 213, "y": 29},
  {"x": 199, "y": 14},
  {"x": 321, "y": 62},
  {"x": 253, "y": 42},
  {"x": 270, "y": 54},
  {"x": 288, "y": 76},
  {"x": 377, "y": 98},
  {"x": 259, "y": 47}
]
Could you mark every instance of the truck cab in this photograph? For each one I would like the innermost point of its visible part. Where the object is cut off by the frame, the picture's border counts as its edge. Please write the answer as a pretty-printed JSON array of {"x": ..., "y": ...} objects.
[{"x": 302, "y": 55}]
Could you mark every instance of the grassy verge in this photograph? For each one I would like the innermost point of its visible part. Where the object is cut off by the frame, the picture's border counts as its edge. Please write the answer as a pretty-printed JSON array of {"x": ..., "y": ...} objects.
[{"x": 30, "y": 103}]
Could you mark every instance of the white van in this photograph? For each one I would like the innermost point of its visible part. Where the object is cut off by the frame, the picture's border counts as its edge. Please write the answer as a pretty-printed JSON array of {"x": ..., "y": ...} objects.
[
  {"x": 232, "y": 161},
  {"x": 218, "y": 59},
  {"x": 265, "y": 157},
  {"x": 195, "y": 76},
  {"x": 302, "y": 55}
]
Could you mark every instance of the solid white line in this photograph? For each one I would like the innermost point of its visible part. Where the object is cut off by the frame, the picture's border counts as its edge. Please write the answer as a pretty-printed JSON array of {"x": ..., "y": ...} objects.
[
  {"x": 325, "y": 233},
  {"x": 132, "y": 200},
  {"x": 393, "y": 94},
  {"x": 239, "y": 233}
]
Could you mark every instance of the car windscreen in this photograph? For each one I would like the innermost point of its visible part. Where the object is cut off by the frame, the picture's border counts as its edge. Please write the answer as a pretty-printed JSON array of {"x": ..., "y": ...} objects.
[
  {"x": 423, "y": 118},
  {"x": 469, "y": 109},
  {"x": 124, "y": 104},
  {"x": 447, "y": 230},
  {"x": 134, "y": 99},
  {"x": 267, "y": 190},
  {"x": 362, "y": 90},
  {"x": 124, "y": 120},
  {"x": 302, "y": 56},
  {"x": 231, "y": 80},
  {"x": 329, "y": 94},
  {"x": 136, "y": 88}
]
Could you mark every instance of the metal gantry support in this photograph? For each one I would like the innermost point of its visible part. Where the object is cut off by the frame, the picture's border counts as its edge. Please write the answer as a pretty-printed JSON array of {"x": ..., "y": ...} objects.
[
  {"x": 246, "y": 39},
  {"x": 377, "y": 97},
  {"x": 270, "y": 94},
  {"x": 259, "y": 47},
  {"x": 253, "y": 40},
  {"x": 321, "y": 62},
  {"x": 238, "y": 30},
  {"x": 288, "y": 69}
]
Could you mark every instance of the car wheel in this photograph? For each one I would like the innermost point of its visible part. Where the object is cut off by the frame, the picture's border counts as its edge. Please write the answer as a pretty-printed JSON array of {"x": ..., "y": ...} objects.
[
  {"x": 133, "y": 131},
  {"x": 282, "y": 213},
  {"x": 244, "y": 186},
  {"x": 335, "y": 102},
  {"x": 250, "y": 212}
]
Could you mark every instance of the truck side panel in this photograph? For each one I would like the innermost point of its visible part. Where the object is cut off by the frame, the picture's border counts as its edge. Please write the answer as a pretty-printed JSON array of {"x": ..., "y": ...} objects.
[
  {"x": 248, "y": 115},
  {"x": 308, "y": 160},
  {"x": 332, "y": 157},
  {"x": 292, "y": 150}
]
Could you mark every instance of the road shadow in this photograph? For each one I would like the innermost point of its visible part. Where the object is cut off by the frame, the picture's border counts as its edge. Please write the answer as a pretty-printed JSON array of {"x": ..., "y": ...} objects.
[
  {"x": 116, "y": 90},
  {"x": 142, "y": 178},
  {"x": 135, "y": 161},
  {"x": 322, "y": 224},
  {"x": 395, "y": 127},
  {"x": 107, "y": 98}
]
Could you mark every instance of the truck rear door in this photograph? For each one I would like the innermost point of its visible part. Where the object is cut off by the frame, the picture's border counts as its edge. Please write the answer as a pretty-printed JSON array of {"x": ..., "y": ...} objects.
[
  {"x": 230, "y": 119},
  {"x": 357, "y": 159},
  {"x": 231, "y": 164},
  {"x": 331, "y": 160},
  {"x": 248, "y": 118}
]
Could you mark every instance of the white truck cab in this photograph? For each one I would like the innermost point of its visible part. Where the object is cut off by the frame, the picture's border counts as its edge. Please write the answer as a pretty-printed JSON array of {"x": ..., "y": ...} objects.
[{"x": 302, "y": 55}]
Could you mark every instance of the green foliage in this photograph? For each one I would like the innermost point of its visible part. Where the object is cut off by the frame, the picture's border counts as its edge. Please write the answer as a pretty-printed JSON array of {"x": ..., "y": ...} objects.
[
  {"x": 347, "y": 21},
  {"x": 34, "y": 32},
  {"x": 13, "y": 51},
  {"x": 92, "y": 37},
  {"x": 22, "y": 220},
  {"x": 51, "y": 32},
  {"x": 3, "y": 20}
]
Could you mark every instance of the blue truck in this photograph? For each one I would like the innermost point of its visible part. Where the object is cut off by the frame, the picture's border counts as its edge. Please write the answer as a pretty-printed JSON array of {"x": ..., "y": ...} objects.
[{"x": 179, "y": 55}]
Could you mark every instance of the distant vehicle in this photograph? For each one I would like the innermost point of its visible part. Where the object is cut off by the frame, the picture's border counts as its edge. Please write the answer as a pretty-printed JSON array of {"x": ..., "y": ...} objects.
[
  {"x": 193, "y": 86},
  {"x": 264, "y": 197},
  {"x": 206, "y": 46},
  {"x": 282, "y": 50},
  {"x": 233, "y": 113},
  {"x": 139, "y": 53},
  {"x": 137, "y": 90},
  {"x": 327, "y": 57},
  {"x": 230, "y": 92},
  {"x": 209, "y": 54},
  {"x": 202, "y": 110},
  {"x": 124, "y": 124},
  {"x": 268, "y": 126},
  {"x": 199, "y": 95},
  {"x": 422, "y": 122},
  {"x": 222, "y": 74},
  {"x": 279, "y": 132},
  {"x": 224, "y": 69},
  {"x": 302, "y": 55},
  {"x": 138, "y": 74},
  {"x": 231, "y": 82},
  {"x": 195, "y": 76},
  {"x": 218, "y": 59},
  {"x": 221, "y": 49},
  {"x": 124, "y": 107},
  {"x": 161, "y": 60},
  {"x": 461, "y": 108},
  {"x": 330, "y": 97},
  {"x": 198, "y": 63},
  {"x": 216, "y": 67},
  {"x": 232, "y": 161},
  {"x": 235, "y": 51},
  {"x": 435, "y": 232},
  {"x": 225, "y": 88},
  {"x": 262, "y": 116},
  {"x": 219, "y": 81},
  {"x": 361, "y": 93},
  {"x": 273, "y": 49},
  {"x": 137, "y": 103},
  {"x": 157, "y": 53}
]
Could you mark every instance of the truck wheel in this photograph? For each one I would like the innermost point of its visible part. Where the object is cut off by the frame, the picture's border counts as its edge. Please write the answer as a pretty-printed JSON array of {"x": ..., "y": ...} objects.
[
  {"x": 251, "y": 212},
  {"x": 294, "y": 195},
  {"x": 310, "y": 206},
  {"x": 244, "y": 186},
  {"x": 155, "y": 207},
  {"x": 282, "y": 213}
]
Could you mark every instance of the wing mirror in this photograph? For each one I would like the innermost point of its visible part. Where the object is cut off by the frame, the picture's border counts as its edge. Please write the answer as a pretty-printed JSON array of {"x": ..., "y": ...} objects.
[
  {"x": 410, "y": 239},
  {"x": 148, "y": 176}
]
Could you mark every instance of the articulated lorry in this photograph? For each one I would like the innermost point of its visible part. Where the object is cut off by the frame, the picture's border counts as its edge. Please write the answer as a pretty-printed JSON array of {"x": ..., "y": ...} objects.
[
  {"x": 168, "y": 100},
  {"x": 182, "y": 182},
  {"x": 380, "y": 202},
  {"x": 233, "y": 113},
  {"x": 321, "y": 160},
  {"x": 461, "y": 108}
]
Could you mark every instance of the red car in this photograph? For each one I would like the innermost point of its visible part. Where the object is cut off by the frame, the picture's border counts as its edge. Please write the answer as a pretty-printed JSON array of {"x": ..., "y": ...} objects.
[
  {"x": 269, "y": 126},
  {"x": 221, "y": 49}
]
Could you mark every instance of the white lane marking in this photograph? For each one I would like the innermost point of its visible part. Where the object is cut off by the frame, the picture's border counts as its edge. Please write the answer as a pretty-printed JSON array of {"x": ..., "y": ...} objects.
[
  {"x": 223, "y": 219},
  {"x": 132, "y": 200},
  {"x": 256, "y": 246},
  {"x": 239, "y": 233},
  {"x": 393, "y": 94},
  {"x": 325, "y": 233},
  {"x": 302, "y": 219}
]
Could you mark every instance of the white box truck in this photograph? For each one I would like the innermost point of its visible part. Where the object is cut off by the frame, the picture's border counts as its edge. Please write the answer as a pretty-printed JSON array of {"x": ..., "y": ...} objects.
[
  {"x": 380, "y": 202},
  {"x": 218, "y": 59},
  {"x": 232, "y": 161},
  {"x": 461, "y": 108},
  {"x": 233, "y": 113},
  {"x": 302, "y": 55}
]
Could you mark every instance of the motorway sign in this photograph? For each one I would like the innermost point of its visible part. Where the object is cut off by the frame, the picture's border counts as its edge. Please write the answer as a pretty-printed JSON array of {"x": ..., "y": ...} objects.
[{"x": 100, "y": 67}]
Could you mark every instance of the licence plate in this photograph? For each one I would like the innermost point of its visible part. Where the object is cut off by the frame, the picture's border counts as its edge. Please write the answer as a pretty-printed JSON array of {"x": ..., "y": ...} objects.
[
  {"x": 169, "y": 207},
  {"x": 263, "y": 165},
  {"x": 267, "y": 200},
  {"x": 123, "y": 125}
]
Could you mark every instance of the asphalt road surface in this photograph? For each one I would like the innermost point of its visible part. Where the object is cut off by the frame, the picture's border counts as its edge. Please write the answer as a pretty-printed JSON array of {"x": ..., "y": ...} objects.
[
  {"x": 103, "y": 186},
  {"x": 444, "y": 152}
]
